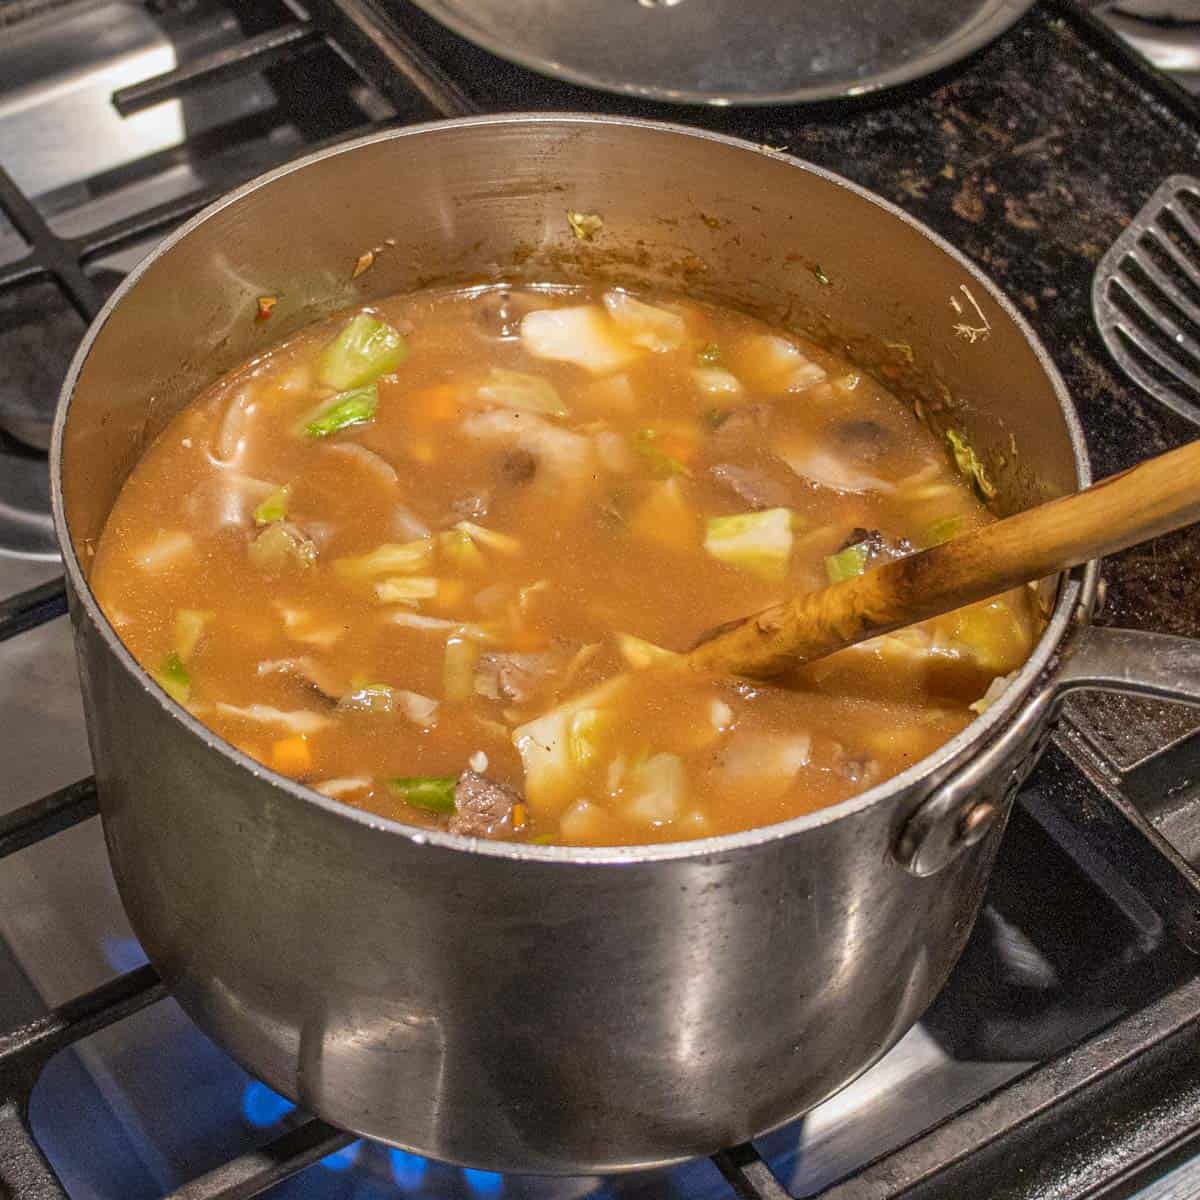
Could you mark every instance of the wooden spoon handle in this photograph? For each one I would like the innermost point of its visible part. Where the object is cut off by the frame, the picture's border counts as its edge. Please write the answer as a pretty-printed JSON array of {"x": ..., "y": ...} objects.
[{"x": 1150, "y": 499}]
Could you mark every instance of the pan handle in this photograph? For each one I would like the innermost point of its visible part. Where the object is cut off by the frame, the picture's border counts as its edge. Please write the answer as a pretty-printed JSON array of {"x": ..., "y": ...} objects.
[
  {"x": 1160, "y": 665},
  {"x": 963, "y": 809}
]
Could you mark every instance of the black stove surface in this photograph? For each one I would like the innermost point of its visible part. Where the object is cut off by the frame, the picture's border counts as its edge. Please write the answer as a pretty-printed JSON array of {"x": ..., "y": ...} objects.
[{"x": 1061, "y": 1059}]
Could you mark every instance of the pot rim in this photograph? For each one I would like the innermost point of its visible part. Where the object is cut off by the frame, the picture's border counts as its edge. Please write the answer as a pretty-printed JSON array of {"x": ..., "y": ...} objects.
[{"x": 977, "y": 732}]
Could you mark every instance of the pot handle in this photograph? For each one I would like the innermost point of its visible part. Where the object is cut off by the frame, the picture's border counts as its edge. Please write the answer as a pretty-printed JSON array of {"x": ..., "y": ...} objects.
[
  {"x": 1160, "y": 665},
  {"x": 963, "y": 809}
]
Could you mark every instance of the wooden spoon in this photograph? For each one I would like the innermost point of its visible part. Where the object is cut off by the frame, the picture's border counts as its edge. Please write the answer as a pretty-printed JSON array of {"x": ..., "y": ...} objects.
[{"x": 1150, "y": 499}]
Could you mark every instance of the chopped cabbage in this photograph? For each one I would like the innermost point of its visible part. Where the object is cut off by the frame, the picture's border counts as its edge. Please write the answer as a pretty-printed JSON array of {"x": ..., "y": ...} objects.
[
  {"x": 544, "y": 745},
  {"x": 274, "y": 507},
  {"x": 294, "y": 721},
  {"x": 717, "y": 383},
  {"x": 173, "y": 678},
  {"x": 654, "y": 790},
  {"x": 970, "y": 465},
  {"x": 502, "y": 543},
  {"x": 525, "y": 393},
  {"x": 639, "y": 653},
  {"x": 344, "y": 410},
  {"x": 848, "y": 562},
  {"x": 189, "y": 626},
  {"x": 405, "y": 557},
  {"x": 656, "y": 329},
  {"x": 757, "y": 542},
  {"x": 364, "y": 349},
  {"x": 406, "y": 589},
  {"x": 774, "y": 364},
  {"x": 582, "y": 335}
]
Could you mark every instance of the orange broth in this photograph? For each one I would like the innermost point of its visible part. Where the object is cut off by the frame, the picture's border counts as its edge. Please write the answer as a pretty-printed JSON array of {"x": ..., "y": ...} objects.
[{"x": 429, "y": 559}]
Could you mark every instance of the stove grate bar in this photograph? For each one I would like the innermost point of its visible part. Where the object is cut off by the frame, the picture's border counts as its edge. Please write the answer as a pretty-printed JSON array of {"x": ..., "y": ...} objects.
[
  {"x": 45, "y": 817},
  {"x": 28, "y": 609},
  {"x": 26, "y": 1049},
  {"x": 257, "y": 53},
  {"x": 386, "y": 56},
  {"x": 54, "y": 255},
  {"x": 747, "y": 1174},
  {"x": 24, "y": 1170},
  {"x": 252, "y": 1173}
]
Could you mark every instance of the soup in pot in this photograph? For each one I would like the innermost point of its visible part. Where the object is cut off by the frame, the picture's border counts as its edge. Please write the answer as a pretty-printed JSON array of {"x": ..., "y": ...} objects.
[{"x": 435, "y": 558}]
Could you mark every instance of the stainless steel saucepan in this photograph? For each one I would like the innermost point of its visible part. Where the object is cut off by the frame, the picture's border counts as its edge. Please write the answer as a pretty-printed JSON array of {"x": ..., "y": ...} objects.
[{"x": 537, "y": 1008}]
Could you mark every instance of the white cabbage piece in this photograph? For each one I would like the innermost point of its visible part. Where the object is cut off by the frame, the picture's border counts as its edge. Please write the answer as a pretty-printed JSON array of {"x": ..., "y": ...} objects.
[
  {"x": 292, "y": 720},
  {"x": 774, "y": 364},
  {"x": 764, "y": 765},
  {"x": 544, "y": 745},
  {"x": 717, "y": 383},
  {"x": 165, "y": 548},
  {"x": 521, "y": 391},
  {"x": 656, "y": 329},
  {"x": 654, "y": 790},
  {"x": 583, "y": 336}
]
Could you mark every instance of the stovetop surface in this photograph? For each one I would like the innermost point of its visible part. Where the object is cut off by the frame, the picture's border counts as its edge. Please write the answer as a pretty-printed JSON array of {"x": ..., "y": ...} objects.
[{"x": 1030, "y": 157}]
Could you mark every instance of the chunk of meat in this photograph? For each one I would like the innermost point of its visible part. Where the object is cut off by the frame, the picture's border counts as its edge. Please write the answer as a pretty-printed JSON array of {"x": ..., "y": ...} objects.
[
  {"x": 754, "y": 486},
  {"x": 518, "y": 466},
  {"x": 864, "y": 439},
  {"x": 742, "y": 429},
  {"x": 879, "y": 547},
  {"x": 483, "y": 807},
  {"x": 318, "y": 678},
  {"x": 517, "y": 678}
]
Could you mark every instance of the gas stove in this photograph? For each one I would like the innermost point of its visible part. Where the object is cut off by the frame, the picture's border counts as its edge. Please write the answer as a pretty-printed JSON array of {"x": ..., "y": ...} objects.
[{"x": 1059, "y": 1062}]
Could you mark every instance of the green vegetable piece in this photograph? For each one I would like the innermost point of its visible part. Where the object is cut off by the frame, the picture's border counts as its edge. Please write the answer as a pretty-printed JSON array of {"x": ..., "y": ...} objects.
[
  {"x": 710, "y": 354},
  {"x": 847, "y": 563},
  {"x": 757, "y": 542},
  {"x": 943, "y": 529},
  {"x": 430, "y": 792},
  {"x": 274, "y": 507},
  {"x": 189, "y": 627},
  {"x": 820, "y": 276},
  {"x": 364, "y": 349},
  {"x": 173, "y": 678},
  {"x": 348, "y": 408},
  {"x": 969, "y": 465},
  {"x": 660, "y": 464},
  {"x": 714, "y": 418}
]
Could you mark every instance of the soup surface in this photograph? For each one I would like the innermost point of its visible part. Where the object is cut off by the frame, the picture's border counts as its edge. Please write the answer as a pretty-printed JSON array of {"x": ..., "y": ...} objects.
[{"x": 431, "y": 559}]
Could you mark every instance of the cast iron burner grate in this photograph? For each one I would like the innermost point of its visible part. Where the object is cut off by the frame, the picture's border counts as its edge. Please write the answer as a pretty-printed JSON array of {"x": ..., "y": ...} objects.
[{"x": 1029, "y": 156}]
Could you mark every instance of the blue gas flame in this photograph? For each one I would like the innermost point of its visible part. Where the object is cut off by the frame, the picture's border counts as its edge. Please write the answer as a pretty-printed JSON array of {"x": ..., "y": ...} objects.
[
  {"x": 484, "y": 1183},
  {"x": 408, "y": 1170},
  {"x": 263, "y": 1107}
]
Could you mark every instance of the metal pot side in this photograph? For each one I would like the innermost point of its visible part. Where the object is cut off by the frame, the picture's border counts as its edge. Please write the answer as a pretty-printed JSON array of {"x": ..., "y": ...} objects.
[{"x": 536, "y": 1008}]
